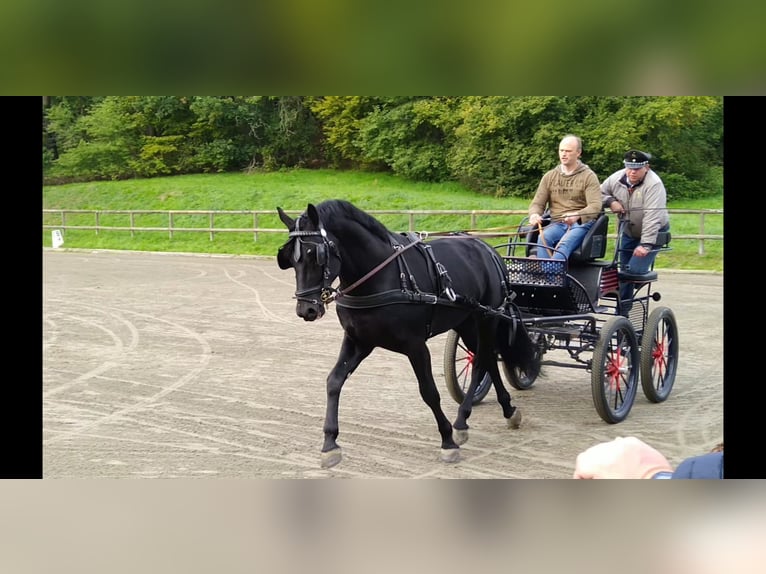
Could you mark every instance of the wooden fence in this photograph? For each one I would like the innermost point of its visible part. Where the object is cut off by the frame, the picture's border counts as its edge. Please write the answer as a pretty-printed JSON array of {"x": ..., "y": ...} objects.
[{"x": 412, "y": 215}]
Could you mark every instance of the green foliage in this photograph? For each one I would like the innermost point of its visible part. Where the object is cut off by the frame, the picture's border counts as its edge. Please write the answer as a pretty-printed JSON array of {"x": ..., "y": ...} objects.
[
  {"x": 684, "y": 134},
  {"x": 158, "y": 156},
  {"x": 505, "y": 143},
  {"x": 216, "y": 156},
  {"x": 680, "y": 187},
  {"x": 341, "y": 118},
  {"x": 407, "y": 138},
  {"x": 145, "y": 136},
  {"x": 495, "y": 145}
]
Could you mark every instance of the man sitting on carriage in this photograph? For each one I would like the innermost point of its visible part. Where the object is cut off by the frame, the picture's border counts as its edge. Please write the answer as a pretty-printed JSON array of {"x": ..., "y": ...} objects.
[
  {"x": 572, "y": 193},
  {"x": 636, "y": 193}
]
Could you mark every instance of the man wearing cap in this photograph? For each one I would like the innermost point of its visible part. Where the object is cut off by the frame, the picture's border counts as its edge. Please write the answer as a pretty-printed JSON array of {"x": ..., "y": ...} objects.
[
  {"x": 638, "y": 195},
  {"x": 571, "y": 190}
]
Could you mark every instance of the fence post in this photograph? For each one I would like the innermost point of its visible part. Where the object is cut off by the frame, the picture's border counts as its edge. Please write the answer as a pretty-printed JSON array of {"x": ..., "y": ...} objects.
[
  {"x": 255, "y": 226},
  {"x": 97, "y": 222},
  {"x": 132, "y": 224},
  {"x": 170, "y": 224},
  {"x": 211, "y": 225},
  {"x": 701, "y": 248}
]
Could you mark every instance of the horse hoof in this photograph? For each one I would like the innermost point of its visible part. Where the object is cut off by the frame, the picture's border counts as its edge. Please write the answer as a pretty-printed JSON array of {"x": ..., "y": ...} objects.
[
  {"x": 450, "y": 454},
  {"x": 331, "y": 458},
  {"x": 515, "y": 421},
  {"x": 460, "y": 436}
]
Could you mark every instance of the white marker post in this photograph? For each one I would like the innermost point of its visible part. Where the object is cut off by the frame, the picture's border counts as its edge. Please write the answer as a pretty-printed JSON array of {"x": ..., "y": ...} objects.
[{"x": 57, "y": 240}]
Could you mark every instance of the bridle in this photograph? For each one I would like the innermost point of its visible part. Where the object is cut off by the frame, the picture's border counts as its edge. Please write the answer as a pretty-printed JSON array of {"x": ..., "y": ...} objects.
[
  {"x": 323, "y": 249},
  {"x": 327, "y": 293}
]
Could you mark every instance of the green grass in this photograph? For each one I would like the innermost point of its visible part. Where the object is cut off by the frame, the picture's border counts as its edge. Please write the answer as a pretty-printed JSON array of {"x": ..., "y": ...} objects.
[{"x": 293, "y": 190}]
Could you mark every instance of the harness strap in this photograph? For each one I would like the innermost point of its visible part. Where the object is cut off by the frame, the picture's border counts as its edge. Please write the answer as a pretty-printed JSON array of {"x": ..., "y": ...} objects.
[
  {"x": 338, "y": 294},
  {"x": 443, "y": 281},
  {"x": 386, "y": 298},
  {"x": 397, "y": 296},
  {"x": 405, "y": 274}
]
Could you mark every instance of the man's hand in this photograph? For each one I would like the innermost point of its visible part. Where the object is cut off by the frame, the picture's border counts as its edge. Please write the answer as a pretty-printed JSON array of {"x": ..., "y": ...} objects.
[
  {"x": 641, "y": 251},
  {"x": 534, "y": 219},
  {"x": 571, "y": 218},
  {"x": 616, "y": 207}
]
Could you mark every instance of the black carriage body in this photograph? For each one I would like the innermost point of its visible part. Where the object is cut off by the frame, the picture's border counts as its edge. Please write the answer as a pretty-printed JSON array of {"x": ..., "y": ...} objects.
[{"x": 573, "y": 306}]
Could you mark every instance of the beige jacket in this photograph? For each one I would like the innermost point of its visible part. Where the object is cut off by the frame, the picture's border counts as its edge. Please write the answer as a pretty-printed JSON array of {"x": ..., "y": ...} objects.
[{"x": 646, "y": 204}]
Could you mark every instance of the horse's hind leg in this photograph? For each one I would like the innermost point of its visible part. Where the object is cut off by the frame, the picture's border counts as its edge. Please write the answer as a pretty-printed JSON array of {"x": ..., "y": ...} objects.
[
  {"x": 516, "y": 350},
  {"x": 512, "y": 414},
  {"x": 485, "y": 362},
  {"x": 348, "y": 360},
  {"x": 421, "y": 364}
]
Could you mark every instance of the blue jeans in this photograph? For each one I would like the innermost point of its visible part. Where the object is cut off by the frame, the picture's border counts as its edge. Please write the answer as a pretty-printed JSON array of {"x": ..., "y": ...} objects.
[
  {"x": 635, "y": 265},
  {"x": 563, "y": 237}
]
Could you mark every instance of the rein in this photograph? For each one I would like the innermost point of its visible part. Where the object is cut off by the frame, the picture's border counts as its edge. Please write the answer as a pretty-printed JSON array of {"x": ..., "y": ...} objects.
[
  {"x": 328, "y": 294},
  {"x": 398, "y": 251}
]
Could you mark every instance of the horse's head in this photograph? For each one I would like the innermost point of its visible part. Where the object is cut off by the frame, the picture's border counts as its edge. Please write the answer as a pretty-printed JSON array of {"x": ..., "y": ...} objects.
[{"x": 315, "y": 258}]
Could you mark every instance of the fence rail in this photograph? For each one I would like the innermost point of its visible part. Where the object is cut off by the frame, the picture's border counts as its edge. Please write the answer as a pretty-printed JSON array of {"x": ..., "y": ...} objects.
[{"x": 211, "y": 229}]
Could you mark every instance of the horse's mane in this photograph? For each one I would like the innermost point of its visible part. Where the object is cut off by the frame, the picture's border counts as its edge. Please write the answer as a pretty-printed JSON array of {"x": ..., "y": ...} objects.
[{"x": 334, "y": 211}]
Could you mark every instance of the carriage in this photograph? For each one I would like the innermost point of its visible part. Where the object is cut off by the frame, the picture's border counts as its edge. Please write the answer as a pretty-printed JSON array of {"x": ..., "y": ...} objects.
[
  {"x": 498, "y": 306},
  {"x": 572, "y": 310}
]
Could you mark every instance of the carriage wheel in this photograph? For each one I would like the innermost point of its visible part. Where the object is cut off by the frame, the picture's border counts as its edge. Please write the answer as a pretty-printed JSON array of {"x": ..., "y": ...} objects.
[
  {"x": 614, "y": 377},
  {"x": 520, "y": 379},
  {"x": 659, "y": 354},
  {"x": 458, "y": 366}
]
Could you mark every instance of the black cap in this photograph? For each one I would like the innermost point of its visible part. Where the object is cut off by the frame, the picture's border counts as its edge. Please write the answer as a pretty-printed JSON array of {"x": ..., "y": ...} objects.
[{"x": 636, "y": 158}]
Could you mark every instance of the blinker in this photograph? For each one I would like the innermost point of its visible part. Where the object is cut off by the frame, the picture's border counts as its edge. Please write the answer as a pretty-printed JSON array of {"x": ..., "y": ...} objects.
[
  {"x": 297, "y": 249},
  {"x": 321, "y": 254}
]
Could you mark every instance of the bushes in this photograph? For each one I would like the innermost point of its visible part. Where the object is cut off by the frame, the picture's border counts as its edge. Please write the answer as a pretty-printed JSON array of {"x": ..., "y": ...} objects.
[
  {"x": 679, "y": 187},
  {"x": 496, "y": 145}
]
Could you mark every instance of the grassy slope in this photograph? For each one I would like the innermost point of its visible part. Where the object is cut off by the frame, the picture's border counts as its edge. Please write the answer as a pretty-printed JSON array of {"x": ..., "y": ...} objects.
[{"x": 292, "y": 190}]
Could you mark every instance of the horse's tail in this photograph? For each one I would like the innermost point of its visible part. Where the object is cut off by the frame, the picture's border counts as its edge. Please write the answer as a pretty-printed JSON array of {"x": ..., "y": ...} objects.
[{"x": 514, "y": 343}]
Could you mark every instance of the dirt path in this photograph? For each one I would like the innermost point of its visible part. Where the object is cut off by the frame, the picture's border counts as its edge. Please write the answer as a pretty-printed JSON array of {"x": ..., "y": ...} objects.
[{"x": 160, "y": 365}]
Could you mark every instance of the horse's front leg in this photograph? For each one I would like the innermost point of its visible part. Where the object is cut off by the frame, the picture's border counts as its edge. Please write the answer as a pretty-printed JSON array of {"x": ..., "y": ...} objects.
[
  {"x": 351, "y": 354},
  {"x": 420, "y": 359}
]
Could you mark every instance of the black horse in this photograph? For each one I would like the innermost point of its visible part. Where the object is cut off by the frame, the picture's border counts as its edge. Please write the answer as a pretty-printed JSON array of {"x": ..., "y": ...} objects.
[{"x": 396, "y": 291}]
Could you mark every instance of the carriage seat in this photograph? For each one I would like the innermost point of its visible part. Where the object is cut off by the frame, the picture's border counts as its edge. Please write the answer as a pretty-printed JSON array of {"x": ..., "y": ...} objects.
[
  {"x": 593, "y": 246},
  {"x": 663, "y": 240},
  {"x": 637, "y": 277}
]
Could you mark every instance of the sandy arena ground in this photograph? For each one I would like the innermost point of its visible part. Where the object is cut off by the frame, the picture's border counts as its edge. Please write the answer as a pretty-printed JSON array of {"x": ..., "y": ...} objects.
[{"x": 183, "y": 366}]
